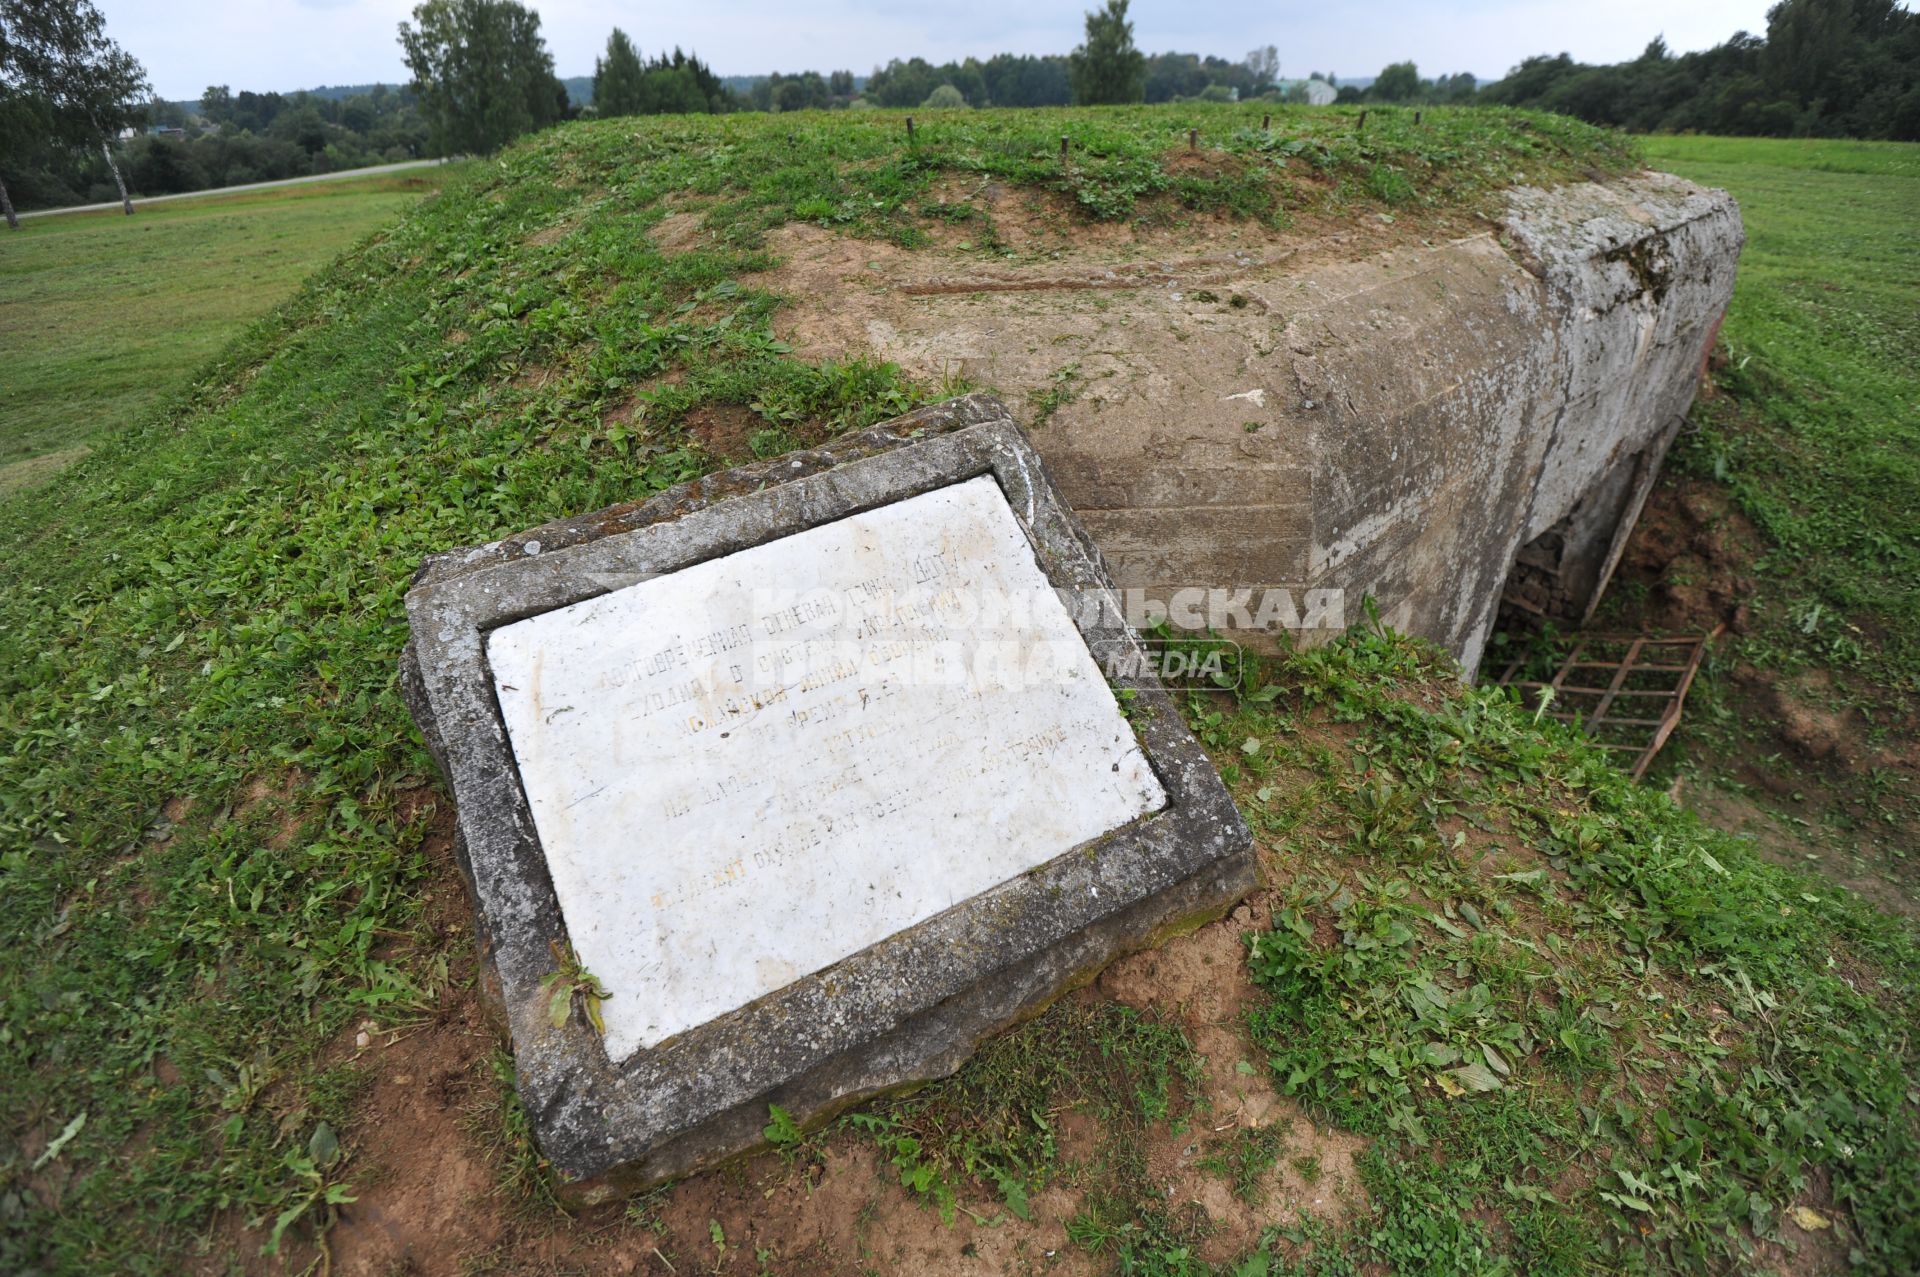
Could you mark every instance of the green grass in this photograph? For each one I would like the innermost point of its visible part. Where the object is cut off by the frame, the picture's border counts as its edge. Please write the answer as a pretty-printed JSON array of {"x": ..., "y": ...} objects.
[
  {"x": 102, "y": 315},
  {"x": 1587, "y": 1032},
  {"x": 990, "y": 1122},
  {"x": 210, "y": 841},
  {"x": 1814, "y": 436},
  {"x": 1818, "y": 436}
]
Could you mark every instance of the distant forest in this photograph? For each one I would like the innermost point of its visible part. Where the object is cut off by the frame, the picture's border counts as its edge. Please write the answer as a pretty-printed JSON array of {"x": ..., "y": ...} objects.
[
  {"x": 227, "y": 139},
  {"x": 1824, "y": 68}
]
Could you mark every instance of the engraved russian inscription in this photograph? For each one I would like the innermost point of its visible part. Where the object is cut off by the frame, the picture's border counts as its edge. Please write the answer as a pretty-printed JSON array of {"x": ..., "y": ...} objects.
[{"x": 749, "y": 769}]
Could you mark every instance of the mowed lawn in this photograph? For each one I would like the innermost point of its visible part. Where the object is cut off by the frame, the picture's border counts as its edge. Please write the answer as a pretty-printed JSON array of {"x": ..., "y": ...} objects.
[
  {"x": 103, "y": 314},
  {"x": 1819, "y": 438}
]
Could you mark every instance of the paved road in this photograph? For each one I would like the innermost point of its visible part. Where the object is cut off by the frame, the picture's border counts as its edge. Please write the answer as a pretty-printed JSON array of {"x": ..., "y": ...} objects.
[{"x": 250, "y": 186}]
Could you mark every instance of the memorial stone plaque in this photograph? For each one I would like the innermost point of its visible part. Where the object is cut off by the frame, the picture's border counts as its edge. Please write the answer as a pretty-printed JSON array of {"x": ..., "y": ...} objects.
[{"x": 825, "y": 768}]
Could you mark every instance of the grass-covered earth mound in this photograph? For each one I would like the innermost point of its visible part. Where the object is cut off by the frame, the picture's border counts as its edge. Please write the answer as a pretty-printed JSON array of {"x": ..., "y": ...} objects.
[{"x": 1497, "y": 1009}]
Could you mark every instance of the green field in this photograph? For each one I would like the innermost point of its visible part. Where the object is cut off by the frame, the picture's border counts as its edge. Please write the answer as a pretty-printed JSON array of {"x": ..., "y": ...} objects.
[
  {"x": 1570, "y": 1028},
  {"x": 1814, "y": 436},
  {"x": 102, "y": 315},
  {"x": 1822, "y": 449}
]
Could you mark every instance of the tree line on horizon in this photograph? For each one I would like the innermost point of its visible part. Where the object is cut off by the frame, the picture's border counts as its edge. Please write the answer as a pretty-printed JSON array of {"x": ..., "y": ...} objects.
[
  {"x": 229, "y": 139},
  {"x": 1825, "y": 68},
  {"x": 1848, "y": 68},
  {"x": 76, "y": 123}
]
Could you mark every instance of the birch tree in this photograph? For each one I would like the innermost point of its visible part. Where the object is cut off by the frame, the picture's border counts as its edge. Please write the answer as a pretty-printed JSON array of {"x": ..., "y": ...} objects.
[
  {"x": 1263, "y": 64},
  {"x": 60, "y": 74}
]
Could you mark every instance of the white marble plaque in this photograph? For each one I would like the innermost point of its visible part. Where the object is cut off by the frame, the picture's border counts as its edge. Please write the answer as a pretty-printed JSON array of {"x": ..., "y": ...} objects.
[{"x": 747, "y": 770}]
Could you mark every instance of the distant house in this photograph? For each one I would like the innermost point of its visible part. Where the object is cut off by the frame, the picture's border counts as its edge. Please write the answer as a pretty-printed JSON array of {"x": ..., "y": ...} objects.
[
  {"x": 1311, "y": 92},
  {"x": 166, "y": 130}
]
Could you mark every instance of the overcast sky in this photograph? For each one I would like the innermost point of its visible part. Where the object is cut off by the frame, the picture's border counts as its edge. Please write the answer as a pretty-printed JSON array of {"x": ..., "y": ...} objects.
[{"x": 297, "y": 44}]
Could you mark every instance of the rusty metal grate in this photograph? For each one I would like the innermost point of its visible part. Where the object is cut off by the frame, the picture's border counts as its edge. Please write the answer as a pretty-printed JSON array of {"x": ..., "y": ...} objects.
[{"x": 1624, "y": 691}]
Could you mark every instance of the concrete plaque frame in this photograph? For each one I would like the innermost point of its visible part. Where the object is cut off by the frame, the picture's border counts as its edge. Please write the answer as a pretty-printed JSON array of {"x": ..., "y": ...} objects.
[{"x": 909, "y": 1008}]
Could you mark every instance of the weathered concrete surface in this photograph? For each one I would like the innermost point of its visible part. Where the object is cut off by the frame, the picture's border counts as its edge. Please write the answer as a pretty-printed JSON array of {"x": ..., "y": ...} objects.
[
  {"x": 908, "y": 1008},
  {"x": 1328, "y": 413},
  {"x": 1639, "y": 278}
]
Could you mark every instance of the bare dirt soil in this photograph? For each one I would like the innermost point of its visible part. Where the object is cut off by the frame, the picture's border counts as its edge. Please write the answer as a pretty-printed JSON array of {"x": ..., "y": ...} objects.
[
  {"x": 1103, "y": 325},
  {"x": 443, "y": 1191},
  {"x": 1787, "y": 756},
  {"x": 725, "y": 431}
]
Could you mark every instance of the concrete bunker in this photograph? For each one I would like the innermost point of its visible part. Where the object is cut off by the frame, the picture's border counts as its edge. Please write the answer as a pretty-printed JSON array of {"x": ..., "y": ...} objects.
[{"x": 1433, "y": 414}]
